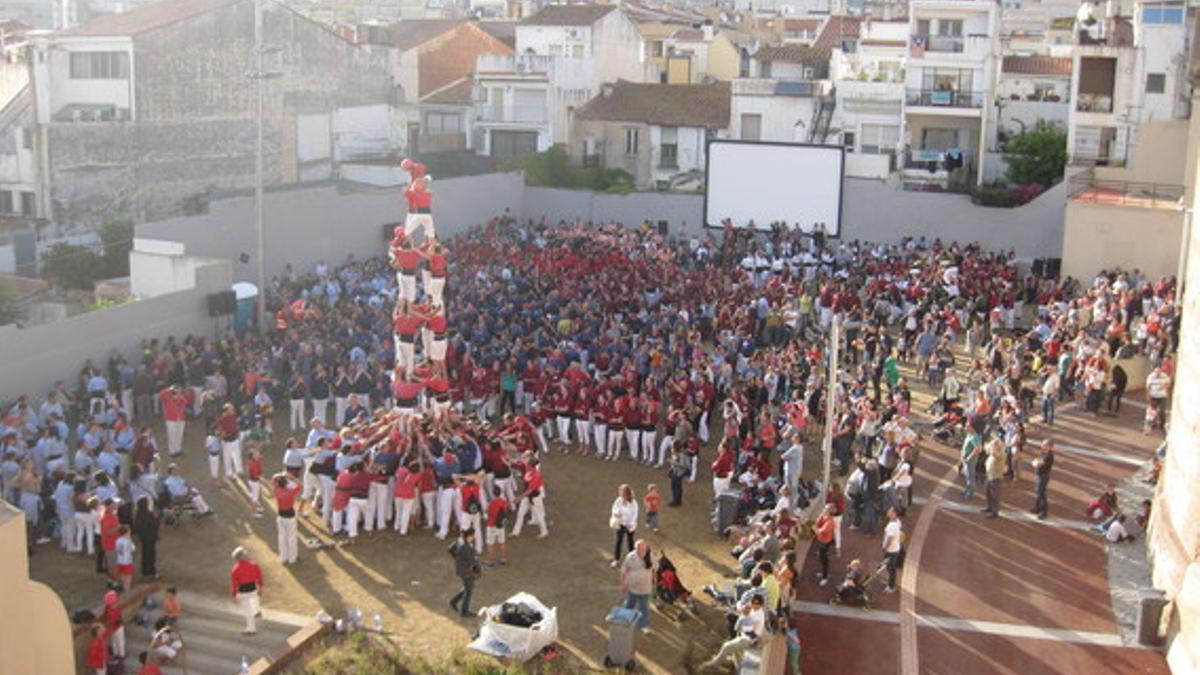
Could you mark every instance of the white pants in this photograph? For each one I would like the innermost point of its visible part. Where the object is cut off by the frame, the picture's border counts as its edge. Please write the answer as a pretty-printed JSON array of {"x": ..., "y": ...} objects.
[
  {"x": 408, "y": 286},
  {"x": 540, "y": 432},
  {"x": 255, "y": 492},
  {"x": 436, "y": 286},
  {"x": 340, "y": 404},
  {"x": 507, "y": 488},
  {"x": 665, "y": 445},
  {"x": 581, "y": 431},
  {"x": 837, "y": 533},
  {"x": 327, "y": 501},
  {"x": 600, "y": 431},
  {"x": 427, "y": 507},
  {"x": 648, "y": 447},
  {"x": 85, "y": 530},
  {"x": 214, "y": 465},
  {"x": 67, "y": 535},
  {"x": 381, "y": 496},
  {"x": 296, "y": 419},
  {"x": 320, "y": 407},
  {"x": 248, "y": 604},
  {"x": 416, "y": 221},
  {"x": 288, "y": 549},
  {"x": 445, "y": 510},
  {"x": 405, "y": 356},
  {"x": 175, "y": 437},
  {"x": 116, "y": 642},
  {"x": 615, "y": 438},
  {"x": 702, "y": 431},
  {"x": 197, "y": 408},
  {"x": 564, "y": 428},
  {"x": 231, "y": 452},
  {"x": 474, "y": 522},
  {"x": 404, "y": 509},
  {"x": 633, "y": 436},
  {"x": 535, "y": 505},
  {"x": 356, "y": 511},
  {"x": 720, "y": 485}
]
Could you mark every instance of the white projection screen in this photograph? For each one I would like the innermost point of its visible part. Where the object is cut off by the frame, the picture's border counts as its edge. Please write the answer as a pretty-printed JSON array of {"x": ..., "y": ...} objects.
[{"x": 767, "y": 182}]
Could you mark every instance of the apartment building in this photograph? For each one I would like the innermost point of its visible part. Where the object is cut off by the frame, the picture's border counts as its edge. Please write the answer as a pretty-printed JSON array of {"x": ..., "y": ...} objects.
[
  {"x": 869, "y": 80},
  {"x": 524, "y": 103},
  {"x": 950, "y": 80},
  {"x": 784, "y": 96},
  {"x": 1130, "y": 69}
]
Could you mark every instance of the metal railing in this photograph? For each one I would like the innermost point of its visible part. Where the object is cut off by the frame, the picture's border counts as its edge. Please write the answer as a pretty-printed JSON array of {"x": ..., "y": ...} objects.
[
  {"x": 1085, "y": 187},
  {"x": 945, "y": 98},
  {"x": 1094, "y": 103},
  {"x": 942, "y": 43}
]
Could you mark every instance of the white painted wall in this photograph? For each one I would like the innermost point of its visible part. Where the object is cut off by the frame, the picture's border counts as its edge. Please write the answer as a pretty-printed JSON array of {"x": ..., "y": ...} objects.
[
  {"x": 780, "y": 115},
  {"x": 54, "y": 87}
]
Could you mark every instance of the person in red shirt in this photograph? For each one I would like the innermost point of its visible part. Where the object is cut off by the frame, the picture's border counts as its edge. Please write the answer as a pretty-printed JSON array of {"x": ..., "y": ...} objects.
[
  {"x": 651, "y": 411},
  {"x": 110, "y": 526},
  {"x": 245, "y": 585},
  {"x": 633, "y": 424},
  {"x": 406, "y": 260},
  {"x": 114, "y": 624},
  {"x": 497, "y": 512},
  {"x": 532, "y": 499},
  {"x": 435, "y": 276},
  {"x": 615, "y": 414},
  {"x": 350, "y": 499},
  {"x": 254, "y": 471},
  {"x": 471, "y": 505},
  {"x": 149, "y": 667},
  {"x": 174, "y": 411},
  {"x": 582, "y": 409},
  {"x": 405, "y": 324},
  {"x": 420, "y": 205},
  {"x": 723, "y": 466},
  {"x": 404, "y": 492},
  {"x": 286, "y": 490},
  {"x": 600, "y": 422},
  {"x": 231, "y": 440},
  {"x": 97, "y": 653},
  {"x": 427, "y": 490}
]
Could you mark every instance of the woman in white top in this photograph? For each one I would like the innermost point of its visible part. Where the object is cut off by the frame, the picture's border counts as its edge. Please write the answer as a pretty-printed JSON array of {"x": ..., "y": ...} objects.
[
  {"x": 895, "y": 489},
  {"x": 624, "y": 520}
]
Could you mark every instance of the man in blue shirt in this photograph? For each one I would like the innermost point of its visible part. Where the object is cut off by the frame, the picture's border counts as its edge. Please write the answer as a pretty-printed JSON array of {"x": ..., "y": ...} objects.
[{"x": 444, "y": 469}]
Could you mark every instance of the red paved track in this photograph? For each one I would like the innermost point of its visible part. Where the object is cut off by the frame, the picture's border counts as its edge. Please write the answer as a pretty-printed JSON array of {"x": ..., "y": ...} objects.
[{"x": 1010, "y": 571}]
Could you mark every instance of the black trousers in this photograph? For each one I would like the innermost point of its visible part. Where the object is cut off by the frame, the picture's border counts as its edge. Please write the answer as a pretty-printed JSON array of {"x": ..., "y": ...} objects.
[
  {"x": 149, "y": 557},
  {"x": 462, "y": 599},
  {"x": 676, "y": 490},
  {"x": 628, "y": 535},
  {"x": 893, "y": 563},
  {"x": 823, "y": 555}
]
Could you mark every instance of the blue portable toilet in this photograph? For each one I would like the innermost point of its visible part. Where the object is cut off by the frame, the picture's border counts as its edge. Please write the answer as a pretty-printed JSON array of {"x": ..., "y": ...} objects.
[{"x": 245, "y": 314}]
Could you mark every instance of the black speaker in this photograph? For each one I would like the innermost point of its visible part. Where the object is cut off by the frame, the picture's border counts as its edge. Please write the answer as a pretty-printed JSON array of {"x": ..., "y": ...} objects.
[
  {"x": 1053, "y": 267},
  {"x": 389, "y": 230},
  {"x": 1039, "y": 267},
  {"x": 221, "y": 304}
]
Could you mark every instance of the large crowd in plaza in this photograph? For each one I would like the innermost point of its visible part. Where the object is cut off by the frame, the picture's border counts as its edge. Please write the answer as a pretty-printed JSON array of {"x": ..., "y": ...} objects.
[{"x": 423, "y": 387}]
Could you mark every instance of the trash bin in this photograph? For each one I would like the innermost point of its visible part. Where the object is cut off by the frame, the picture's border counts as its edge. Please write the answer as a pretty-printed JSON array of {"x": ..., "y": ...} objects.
[
  {"x": 622, "y": 624},
  {"x": 727, "y": 506},
  {"x": 1150, "y": 608}
]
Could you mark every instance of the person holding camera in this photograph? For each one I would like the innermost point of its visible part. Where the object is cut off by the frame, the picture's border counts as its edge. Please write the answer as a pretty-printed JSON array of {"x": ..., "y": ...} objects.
[{"x": 466, "y": 568}]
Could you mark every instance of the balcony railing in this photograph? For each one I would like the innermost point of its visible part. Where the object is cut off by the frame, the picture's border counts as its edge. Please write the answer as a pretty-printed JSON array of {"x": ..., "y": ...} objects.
[
  {"x": 1085, "y": 187},
  {"x": 945, "y": 98},
  {"x": 940, "y": 43},
  {"x": 519, "y": 114},
  {"x": 1094, "y": 103}
]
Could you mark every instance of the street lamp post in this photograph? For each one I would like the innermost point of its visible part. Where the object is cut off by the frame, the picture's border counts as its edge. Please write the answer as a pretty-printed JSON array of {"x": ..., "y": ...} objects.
[{"x": 259, "y": 74}]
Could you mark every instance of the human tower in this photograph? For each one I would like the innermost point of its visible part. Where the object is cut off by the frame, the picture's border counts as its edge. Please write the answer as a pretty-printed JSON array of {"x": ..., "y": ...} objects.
[{"x": 422, "y": 319}]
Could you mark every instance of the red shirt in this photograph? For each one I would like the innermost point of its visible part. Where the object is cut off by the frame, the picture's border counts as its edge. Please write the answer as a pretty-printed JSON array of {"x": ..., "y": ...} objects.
[
  {"x": 533, "y": 480},
  {"x": 466, "y": 492},
  {"x": 723, "y": 465},
  {"x": 227, "y": 426},
  {"x": 254, "y": 470},
  {"x": 174, "y": 405},
  {"x": 494, "y": 508},
  {"x": 245, "y": 572},
  {"x": 406, "y": 484},
  {"x": 418, "y": 199},
  {"x": 97, "y": 653},
  {"x": 406, "y": 324},
  {"x": 108, "y": 530},
  {"x": 150, "y": 668},
  {"x": 285, "y": 497}
]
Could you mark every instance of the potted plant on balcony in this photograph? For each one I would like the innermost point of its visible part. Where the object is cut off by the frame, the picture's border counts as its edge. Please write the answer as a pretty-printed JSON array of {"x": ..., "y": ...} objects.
[{"x": 1052, "y": 98}]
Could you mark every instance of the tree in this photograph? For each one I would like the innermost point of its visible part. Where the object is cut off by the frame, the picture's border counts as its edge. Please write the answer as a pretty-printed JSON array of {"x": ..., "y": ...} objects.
[
  {"x": 1038, "y": 155},
  {"x": 117, "y": 238},
  {"x": 72, "y": 266}
]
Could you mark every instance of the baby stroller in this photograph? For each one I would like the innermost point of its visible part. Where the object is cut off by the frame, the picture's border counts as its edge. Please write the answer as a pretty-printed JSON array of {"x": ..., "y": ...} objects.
[
  {"x": 669, "y": 591},
  {"x": 859, "y": 593}
]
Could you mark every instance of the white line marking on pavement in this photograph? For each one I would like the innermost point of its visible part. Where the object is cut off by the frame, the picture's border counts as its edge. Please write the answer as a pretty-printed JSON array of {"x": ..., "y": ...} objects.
[
  {"x": 969, "y": 625},
  {"x": 1010, "y": 514},
  {"x": 1094, "y": 454}
]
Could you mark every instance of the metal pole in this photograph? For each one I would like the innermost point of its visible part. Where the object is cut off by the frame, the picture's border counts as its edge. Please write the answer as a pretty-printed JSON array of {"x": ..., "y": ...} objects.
[
  {"x": 830, "y": 403},
  {"x": 258, "y": 165}
]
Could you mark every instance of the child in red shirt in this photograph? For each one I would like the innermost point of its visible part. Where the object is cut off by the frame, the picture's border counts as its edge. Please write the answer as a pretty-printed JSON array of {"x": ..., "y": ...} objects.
[
  {"x": 652, "y": 501},
  {"x": 97, "y": 653},
  {"x": 149, "y": 667},
  {"x": 254, "y": 475}
]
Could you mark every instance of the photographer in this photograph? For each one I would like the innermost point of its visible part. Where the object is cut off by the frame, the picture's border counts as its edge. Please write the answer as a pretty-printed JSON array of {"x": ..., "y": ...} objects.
[{"x": 286, "y": 490}]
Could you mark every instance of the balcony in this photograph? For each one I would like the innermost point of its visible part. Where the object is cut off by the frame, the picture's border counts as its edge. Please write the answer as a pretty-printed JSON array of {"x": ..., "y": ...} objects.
[
  {"x": 1094, "y": 103},
  {"x": 525, "y": 64},
  {"x": 771, "y": 86},
  {"x": 945, "y": 98},
  {"x": 942, "y": 44},
  {"x": 1088, "y": 187},
  {"x": 512, "y": 114}
]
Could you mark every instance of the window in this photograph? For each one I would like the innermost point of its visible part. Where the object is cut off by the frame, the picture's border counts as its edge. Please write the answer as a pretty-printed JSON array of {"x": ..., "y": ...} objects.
[
  {"x": 577, "y": 51},
  {"x": 443, "y": 123},
  {"x": 1156, "y": 83},
  {"x": 668, "y": 149},
  {"x": 849, "y": 45},
  {"x": 950, "y": 27},
  {"x": 764, "y": 69},
  {"x": 27, "y": 205},
  {"x": 751, "y": 127},
  {"x": 511, "y": 143},
  {"x": 99, "y": 66},
  {"x": 879, "y": 139},
  {"x": 1162, "y": 13},
  {"x": 6, "y": 201},
  {"x": 631, "y": 140},
  {"x": 848, "y": 140},
  {"x": 27, "y": 138}
]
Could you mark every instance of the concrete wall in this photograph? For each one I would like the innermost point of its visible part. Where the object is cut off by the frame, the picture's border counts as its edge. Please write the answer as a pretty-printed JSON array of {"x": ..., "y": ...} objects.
[
  {"x": 306, "y": 224},
  {"x": 35, "y": 632},
  {"x": 873, "y": 211},
  {"x": 1098, "y": 236},
  {"x": 1156, "y": 155},
  {"x": 55, "y": 351}
]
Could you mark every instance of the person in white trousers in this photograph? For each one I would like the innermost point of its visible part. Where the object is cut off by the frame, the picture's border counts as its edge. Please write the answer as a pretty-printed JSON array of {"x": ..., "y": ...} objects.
[
  {"x": 405, "y": 495},
  {"x": 532, "y": 499},
  {"x": 246, "y": 582},
  {"x": 286, "y": 491}
]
